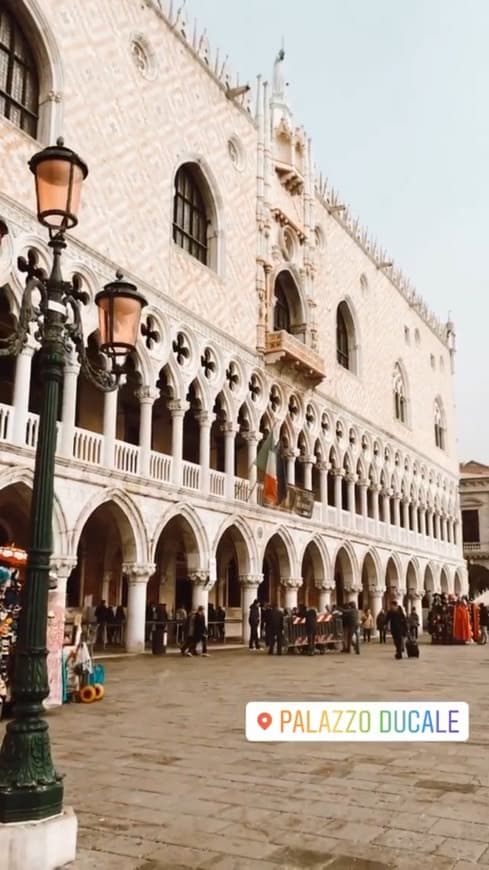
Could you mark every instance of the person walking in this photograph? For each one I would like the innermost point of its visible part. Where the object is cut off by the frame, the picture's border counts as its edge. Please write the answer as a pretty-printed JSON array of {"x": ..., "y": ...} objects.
[
  {"x": 189, "y": 632},
  {"x": 380, "y": 625},
  {"x": 158, "y": 645},
  {"x": 276, "y": 630},
  {"x": 347, "y": 628},
  {"x": 483, "y": 623},
  {"x": 311, "y": 620},
  {"x": 367, "y": 625},
  {"x": 200, "y": 632},
  {"x": 254, "y": 623},
  {"x": 413, "y": 624},
  {"x": 397, "y": 623},
  {"x": 355, "y": 635}
]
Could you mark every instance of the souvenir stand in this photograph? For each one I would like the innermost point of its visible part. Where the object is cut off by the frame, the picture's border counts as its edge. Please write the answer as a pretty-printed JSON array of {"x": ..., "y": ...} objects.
[
  {"x": 12, "y": 563},
  {"x": 452, "y": 621}
]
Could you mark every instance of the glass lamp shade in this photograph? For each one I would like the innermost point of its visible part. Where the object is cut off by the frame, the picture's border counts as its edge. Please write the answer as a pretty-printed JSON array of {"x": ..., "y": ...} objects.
[
  {"x": 119, "y": 310},
  {"x": 59, "y": 175}
]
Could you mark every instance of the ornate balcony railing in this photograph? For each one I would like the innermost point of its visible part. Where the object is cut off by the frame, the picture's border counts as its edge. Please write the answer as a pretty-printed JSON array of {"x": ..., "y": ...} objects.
[
  {"x": 126, "y": 457},
  {"x": 191, "y": 475},
  {"x": 5, "y": 412},
  {"x": 217, "y": 480},
  {"x": 87, "y": 446},
  {"x": 290, "y": 351},
  {"x": 160, "y": 466}
]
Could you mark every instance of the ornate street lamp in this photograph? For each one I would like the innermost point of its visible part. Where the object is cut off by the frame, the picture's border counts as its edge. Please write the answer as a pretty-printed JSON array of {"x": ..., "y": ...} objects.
[{"x": 30, "y": 787}]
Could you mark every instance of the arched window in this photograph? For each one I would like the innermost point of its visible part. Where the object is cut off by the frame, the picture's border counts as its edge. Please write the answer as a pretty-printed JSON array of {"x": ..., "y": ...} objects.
[
  {"x": 440, "y": 427},
  {"x": 346, "y": 352},
  {"x": 19, "y": 86},
  {"x": 287, "y": 306},
  {"x": 399, "y": 389},
  {"x": 190, "y": 218}
]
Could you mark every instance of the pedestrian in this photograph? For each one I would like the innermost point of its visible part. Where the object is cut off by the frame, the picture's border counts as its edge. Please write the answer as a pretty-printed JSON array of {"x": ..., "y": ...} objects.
[
  {"x": 189, "y": 633},
  {"x": 397, "y": 623},
  {"x": 160, "y": 632},
  {"x": 355, "y": 627},
  {"x": 220, "y": 622},
  {"x": 211, "y": 621},
  {"x": 483, "y": 622},
  {"x": 266, "y": 629},
  {"x": 101, "y": 617},
  {"x": 347, "y": 628},
  {"x": 367, "y": 625},
  {"x": 254, "y": 623},
  {"x": 380, "y": 624},
  {"x": 276, "y": 630},
  {"x": 120, "y": 621},
  {"x": 311, "y": 620},
  {"x": 200, "y": 632},
  {"x": 180, "y": 621},
  {"x": 413, "y": 624}
]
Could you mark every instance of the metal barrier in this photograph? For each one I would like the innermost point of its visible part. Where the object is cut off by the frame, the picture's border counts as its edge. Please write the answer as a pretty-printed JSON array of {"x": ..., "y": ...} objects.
[
  {"x": 328, "y": 635},
  {"x": 111, "y": 634}
]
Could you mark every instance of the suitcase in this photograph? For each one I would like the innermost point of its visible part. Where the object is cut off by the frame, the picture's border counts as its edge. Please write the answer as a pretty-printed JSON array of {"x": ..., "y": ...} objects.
[{"x": 412, "y": 648}]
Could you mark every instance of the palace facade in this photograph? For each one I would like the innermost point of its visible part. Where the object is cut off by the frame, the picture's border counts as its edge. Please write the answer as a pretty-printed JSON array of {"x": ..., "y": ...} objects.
[{"x": 270, "y": 310}]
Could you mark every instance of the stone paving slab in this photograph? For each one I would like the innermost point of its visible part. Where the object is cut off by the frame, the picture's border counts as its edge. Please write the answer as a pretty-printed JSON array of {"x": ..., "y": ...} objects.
[{"x": 161, "y": 776}]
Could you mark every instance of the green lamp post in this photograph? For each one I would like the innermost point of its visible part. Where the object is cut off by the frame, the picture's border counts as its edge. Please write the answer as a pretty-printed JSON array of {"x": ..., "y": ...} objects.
[{"x": 30, "y": 787}]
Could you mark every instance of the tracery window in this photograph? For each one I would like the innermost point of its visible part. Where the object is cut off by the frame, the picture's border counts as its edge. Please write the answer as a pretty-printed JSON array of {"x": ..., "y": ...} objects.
[
  {"x": 19, "y": 85},
  {"x": 400, "y": 401},
  {"x": 281, "y": 312},
  {"x": 342, "y": 343},
  {"x": 190, "y": 218},
  {"x": 439, "y": 425}
]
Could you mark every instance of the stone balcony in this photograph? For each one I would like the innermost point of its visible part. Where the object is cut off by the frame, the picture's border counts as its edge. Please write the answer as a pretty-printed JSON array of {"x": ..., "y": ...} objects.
[{"x": 292, "y": 354}]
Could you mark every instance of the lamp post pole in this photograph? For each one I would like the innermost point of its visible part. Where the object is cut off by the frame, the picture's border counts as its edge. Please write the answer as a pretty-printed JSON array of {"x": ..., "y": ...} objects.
[{"x": 30, "y": 787}]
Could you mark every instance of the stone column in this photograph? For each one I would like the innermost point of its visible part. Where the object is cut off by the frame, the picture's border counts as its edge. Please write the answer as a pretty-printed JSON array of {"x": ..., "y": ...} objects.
[
  {"x": 405, "y": 513},
  {"x": 308, "y": 462},
  {"x": 252, "y": 439},
  {"x": 205, "y": 422},
  {"x": 422, "y": 521},
  {"x": 147, "y": 397},
  {"x": 18, "y": 419},
  {"x": 386, "y": 507},
  {"x": 229, "y": 430},
  {"x": 397, "y": 510},
  {"x": 375, "y": 490},
  {"x": 201, "y": 585},
  {"x": 437, "y": 525},
  {"x": 110, "y": 427},
  {"x": 290, "y": 457},
  {"x": 338, "y": 473},
  {"x": 350, "y": 479},
  {"x": 106, "y": 578},
  {"x": 177, "y": 409},
  {"x": 443, "y": 527},
  {"x": 291, "y": 586},
  {"x": 352, "y": 593},
  {"x": 325, "y": 593},
  {"x": 450, "y": 530},
  {"x": 429, "y": 523},
  {"x": 323, "y": 487},
  {"x": 68, "y": 414},
  {"x": 138, "y": 576},
  {"x": 375, "y": 597},
  {"x": 363, "y": 484},
  {"x": 414, "y": 517},
  {"x": 249, "y": 587}
]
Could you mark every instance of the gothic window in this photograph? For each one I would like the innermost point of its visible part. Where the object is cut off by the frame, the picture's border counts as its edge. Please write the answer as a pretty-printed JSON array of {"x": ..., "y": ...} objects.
[
  {"x": 439, "y": 425},
  {"x": 346, "y": 353},
  {"x": 281, "y": 313},
  {"x": 19, "y": 87},
  {"x": 190, "y": 218},
  {"x": 400, "y": 402}
]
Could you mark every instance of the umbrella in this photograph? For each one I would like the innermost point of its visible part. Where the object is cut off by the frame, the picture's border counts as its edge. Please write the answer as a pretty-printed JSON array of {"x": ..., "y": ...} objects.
[{"x": 13, "y": 556}]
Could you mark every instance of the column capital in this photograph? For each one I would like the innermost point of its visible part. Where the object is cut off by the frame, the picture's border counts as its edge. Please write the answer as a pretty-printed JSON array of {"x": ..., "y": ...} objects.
[
  {"x": 351, "y": 478},
  {"x": 363, "y": 482},
  {"x": 325, "y": 586},
  {"x": 201, "y": 578},
  {"x": 250, "y": 581},
  {"x": 377, "y": 591},
  {"x": 291, "y": 582},
  {"x": 147, "y": 395},
  {"x": 62, "y": 566},
  {"x": 178, "y": 407},
  {"x": 322, "y": 466},
  {"x": 307, "y": 460},
  {"x": 139, "y": 572},
  {"x": 414, "y": 595},
  {"x": 353, "y": 590},
  {"x": 230, "y": 428},
  {"x": 375, "y": 487},
  {"x": 205, "y": 418},
  {"x": 292, "y": 453},
  {"x": 338, "y": 472},
  {"x": 251, "y": 437}
]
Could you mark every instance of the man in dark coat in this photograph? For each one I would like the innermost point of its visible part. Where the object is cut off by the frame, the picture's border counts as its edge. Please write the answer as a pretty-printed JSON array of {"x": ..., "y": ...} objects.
[
  {"x": 200, "y": 631},
  {"x": 311, "y": 619},
  {"x": 254, "y": 622},
  {"x": 397, "y": 623},
  {"x": 266, "y": 615},
  {"x": 158, "y": 644},
  {"x": 276, "y": 630},
  {"x": 380, "y": 625},
  {"x": 188, "y": 645}
]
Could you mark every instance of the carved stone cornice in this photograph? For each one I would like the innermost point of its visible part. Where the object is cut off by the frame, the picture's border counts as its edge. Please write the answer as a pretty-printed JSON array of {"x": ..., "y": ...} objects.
[
  {"x": 139, "y": 572},
  {"x": 291, "y": 582},
  {"x": 202, "y": 579},
  {"x": 250, "y": 581}
]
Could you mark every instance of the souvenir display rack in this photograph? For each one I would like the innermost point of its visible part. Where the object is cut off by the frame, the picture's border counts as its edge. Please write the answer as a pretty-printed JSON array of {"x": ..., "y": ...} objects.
[{"x": 452, "y": 621}]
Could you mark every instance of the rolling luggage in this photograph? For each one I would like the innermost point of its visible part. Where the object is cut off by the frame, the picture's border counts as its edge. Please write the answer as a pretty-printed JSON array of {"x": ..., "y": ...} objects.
[{"x": 412, "y": 648}]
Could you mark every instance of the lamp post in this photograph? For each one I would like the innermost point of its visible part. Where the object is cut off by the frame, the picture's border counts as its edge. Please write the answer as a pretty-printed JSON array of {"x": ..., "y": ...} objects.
[{"x": 30, "y": 787}]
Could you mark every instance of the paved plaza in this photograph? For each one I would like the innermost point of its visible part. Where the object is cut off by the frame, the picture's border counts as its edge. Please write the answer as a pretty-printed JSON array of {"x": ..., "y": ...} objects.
[{"x": 161, "y": 776}]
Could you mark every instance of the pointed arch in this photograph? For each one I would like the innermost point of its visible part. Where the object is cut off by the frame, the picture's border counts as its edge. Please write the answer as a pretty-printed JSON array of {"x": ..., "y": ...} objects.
[
  {"x": 197, "y": 204},
  {"x": 289, "y": 564},
  {"x": 19, "y": 476},
  {"x": 440, "y": 425},
  {"x": 133, "y": 535},
  {"x": 400, "y": 393},
  {"x": 196, "y": 526},
  {"x": 246, "y": 547},
  {"x": 347, "y": 337},
  {"x": 321, "y": 559}
]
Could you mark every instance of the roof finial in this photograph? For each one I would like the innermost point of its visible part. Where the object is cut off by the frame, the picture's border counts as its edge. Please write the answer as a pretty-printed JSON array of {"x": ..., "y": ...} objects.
[{"x": 278, "y": 90}]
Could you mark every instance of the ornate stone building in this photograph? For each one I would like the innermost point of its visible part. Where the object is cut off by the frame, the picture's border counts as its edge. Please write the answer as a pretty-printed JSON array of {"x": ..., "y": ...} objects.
[
  {"x": 270, "y": 309},
  {"x": 474, "y": 502}
]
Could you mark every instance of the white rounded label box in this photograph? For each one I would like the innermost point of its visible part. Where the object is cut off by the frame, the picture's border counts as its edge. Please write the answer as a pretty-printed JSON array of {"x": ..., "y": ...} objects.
[{"x": 369, "y": 721}]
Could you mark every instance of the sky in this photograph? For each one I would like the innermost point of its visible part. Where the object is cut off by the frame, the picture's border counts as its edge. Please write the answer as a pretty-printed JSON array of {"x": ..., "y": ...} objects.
[{"x": 395, "y": 96}]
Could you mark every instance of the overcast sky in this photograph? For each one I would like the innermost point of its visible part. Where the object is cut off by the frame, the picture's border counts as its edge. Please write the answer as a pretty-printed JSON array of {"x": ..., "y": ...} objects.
[{"x": 394, "y": 94}]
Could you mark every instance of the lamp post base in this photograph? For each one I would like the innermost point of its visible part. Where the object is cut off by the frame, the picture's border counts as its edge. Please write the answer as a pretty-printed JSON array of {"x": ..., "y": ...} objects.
[{"x": 45, "y": 845}]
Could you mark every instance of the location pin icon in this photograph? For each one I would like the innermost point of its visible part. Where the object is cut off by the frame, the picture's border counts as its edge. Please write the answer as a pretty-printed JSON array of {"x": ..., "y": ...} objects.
[{"x": 264, "y": 720}]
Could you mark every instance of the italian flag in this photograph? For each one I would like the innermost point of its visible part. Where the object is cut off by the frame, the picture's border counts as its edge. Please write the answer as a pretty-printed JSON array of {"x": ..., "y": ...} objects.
[{"x": 266, "y": 461}]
